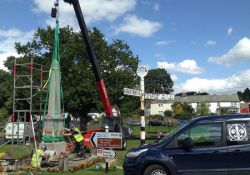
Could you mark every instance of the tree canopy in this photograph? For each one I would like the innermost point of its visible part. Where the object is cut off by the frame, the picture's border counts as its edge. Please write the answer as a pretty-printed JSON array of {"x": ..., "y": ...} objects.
[
  {"x": 183, "y": 110},
  {"x": 117, "y": 65},
  {"x": 244, "y": 96},
  {"x": 191, "y": 93},
  {"x": 158, "y": 81},
  {"x": 202, "y": 109},
  {"x": 6, "y": 91}
]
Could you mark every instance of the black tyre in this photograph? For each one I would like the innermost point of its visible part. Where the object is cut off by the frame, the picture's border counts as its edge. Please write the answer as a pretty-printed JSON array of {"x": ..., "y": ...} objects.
[{"x": 155, "y": 170}]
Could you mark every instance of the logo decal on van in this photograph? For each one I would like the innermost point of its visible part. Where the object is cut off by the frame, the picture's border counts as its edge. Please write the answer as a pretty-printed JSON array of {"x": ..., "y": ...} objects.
[{"x": 237, "y": 132}]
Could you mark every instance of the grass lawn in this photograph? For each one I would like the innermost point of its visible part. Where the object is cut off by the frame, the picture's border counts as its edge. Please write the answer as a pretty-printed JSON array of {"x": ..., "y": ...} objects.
[
  {"x": 151, "y": 130},
  {"x": 88, "y": 171},
  {"x": 19, "y": 151},
  {"x": 115, "y": 168},
  {"x": 121, "y": 153},
  {"x": 112, "y": 170}
]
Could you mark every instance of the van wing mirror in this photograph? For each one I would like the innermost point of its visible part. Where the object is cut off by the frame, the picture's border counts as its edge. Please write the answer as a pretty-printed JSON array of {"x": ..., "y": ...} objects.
[{"x": 187, "y": 143}]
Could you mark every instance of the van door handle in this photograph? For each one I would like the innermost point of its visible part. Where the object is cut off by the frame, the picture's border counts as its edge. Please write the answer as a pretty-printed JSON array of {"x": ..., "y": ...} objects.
[
  {"x": 216, "y": 152},
  {"x": 236, "y": 151}
]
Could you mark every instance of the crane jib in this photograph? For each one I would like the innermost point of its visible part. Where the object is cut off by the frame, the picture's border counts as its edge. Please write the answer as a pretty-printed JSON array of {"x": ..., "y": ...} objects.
[{"x": 92, "y": 57}]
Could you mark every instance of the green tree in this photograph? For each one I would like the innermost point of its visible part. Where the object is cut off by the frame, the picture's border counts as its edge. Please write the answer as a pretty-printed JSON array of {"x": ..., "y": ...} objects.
[
  {"x": 192, "y": 93},
  {"x": 117, "y": 65},
  {"x": 168, "y": 113},
  {"x": 183, "y": 110},
  {"x": 224, "y": 111},
  {"x": 187, "y": 108},
  {"x": 244, "y": 96},
  {"x": 130, "y": 106},
  {"x": 158, "y": 81},
  {"x": 177, "y": 108},
  {"x": 6, "y": 89},
  {"x": 202, "y": 109}
]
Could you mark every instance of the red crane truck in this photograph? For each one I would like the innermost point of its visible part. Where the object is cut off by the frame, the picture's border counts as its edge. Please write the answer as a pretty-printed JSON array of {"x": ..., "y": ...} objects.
[{"x": 115, "y": 123}]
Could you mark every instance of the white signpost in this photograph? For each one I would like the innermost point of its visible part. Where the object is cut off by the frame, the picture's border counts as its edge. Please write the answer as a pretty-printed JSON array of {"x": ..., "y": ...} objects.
[
  {"x": 106, "y": 153},
  {"x": 132, "y": 92},
  {"x": 142, "y": 72},
  {"x": 159, "y": 96},
  {"x": 148, "y": 96}
]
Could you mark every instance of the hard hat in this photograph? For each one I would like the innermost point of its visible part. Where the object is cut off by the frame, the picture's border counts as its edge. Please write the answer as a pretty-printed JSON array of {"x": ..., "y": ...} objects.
[{"x": 44, "y": 147}]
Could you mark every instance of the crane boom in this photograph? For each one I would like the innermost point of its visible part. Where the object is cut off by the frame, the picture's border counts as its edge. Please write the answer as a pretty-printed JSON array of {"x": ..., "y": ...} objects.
[
  {"x": 92, "y": 57},
  {"x": 115, "y": 124}
]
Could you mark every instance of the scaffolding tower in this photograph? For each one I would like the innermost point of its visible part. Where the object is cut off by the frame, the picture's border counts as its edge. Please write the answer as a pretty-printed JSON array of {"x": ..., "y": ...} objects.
[{"x": 28, "y": 100}]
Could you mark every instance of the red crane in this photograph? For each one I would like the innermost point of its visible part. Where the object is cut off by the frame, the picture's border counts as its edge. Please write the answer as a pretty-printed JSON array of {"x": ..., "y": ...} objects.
[{"x": 115, "y": 123}]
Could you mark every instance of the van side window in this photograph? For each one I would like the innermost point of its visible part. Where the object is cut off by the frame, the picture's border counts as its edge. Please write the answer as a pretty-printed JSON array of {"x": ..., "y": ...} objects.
[
  {"x": 205, "y": 134},
  {"x": 238, "y": 132}
]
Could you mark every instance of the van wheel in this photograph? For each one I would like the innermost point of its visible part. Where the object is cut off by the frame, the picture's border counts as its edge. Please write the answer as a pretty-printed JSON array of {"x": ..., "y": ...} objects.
[{"x": 155, "y": 170}]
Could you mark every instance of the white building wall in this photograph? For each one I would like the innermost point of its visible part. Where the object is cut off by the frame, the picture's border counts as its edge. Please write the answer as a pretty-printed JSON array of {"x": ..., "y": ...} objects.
[
  {"x": 213, "y": 107},
  {"x": 194, "y": 106},
  {"x": 238, "y": 106},
  {"x": 159, "y": 108}
]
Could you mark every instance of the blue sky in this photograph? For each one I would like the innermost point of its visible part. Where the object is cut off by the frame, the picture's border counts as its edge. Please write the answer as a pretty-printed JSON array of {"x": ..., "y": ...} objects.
[{"x": 204, "y": 45}]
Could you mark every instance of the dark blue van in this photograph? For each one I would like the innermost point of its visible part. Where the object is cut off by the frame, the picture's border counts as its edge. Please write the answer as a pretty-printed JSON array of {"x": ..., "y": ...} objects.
[{"x": 215, "y": 145}]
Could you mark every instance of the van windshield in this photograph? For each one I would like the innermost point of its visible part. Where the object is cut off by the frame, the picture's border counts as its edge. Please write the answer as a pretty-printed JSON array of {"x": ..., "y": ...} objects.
[{"x": 173, "y": 132}]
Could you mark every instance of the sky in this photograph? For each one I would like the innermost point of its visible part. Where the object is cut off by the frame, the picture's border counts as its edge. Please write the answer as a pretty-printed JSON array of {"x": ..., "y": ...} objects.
[{"x": 203, "y": 44}]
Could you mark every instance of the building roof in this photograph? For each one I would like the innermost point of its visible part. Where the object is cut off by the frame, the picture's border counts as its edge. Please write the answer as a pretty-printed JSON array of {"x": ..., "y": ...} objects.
[{"x": 204, "y": 99}]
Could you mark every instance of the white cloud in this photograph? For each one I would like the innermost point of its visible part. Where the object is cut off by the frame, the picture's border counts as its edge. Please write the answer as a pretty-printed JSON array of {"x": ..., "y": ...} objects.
[
  {"x": 8, "y": 38},
  {"x": 232, "y": 82},
  {"x": 138, "y": 26},
  {"x": 4, "y": 56},
  {"x": 10, "y": 33},
  {"x": 94, "y": 10},
  {"x": 240, "y": 52},
  {"x": 210, "y": 43},
  {"x": 229, "y": 31},
  {"x": 100, "y": 10},
  {"x": 156, "y": 7},
  {"x": 164, "y": 43},
  {"x": 186, "y": 66},
  {"x": 174, "y": 77}
]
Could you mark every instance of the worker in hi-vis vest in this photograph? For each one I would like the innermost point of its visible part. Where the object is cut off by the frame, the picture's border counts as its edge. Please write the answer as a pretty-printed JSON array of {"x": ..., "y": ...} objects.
[
  {"x": 38, "y": 156},
  {"x": 75, "y": 132}
]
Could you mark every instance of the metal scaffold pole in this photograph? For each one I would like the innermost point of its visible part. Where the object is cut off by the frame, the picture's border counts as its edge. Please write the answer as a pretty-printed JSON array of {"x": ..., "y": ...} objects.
[
  {"x": 31, "y": 104},
  {"x": 13, "y": 107}
]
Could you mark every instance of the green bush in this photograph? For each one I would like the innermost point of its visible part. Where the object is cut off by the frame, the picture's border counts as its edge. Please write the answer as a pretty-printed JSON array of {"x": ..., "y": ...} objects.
[
  {"x": 185, "y": 116},
  {"x": 168, "y": 113},
  {"x": 157, "y": 116}
]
